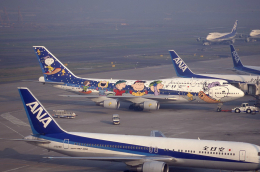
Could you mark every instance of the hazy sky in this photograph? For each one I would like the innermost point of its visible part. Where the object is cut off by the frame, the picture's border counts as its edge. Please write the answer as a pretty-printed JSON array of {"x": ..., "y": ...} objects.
[{"x": 134, "y": 11}]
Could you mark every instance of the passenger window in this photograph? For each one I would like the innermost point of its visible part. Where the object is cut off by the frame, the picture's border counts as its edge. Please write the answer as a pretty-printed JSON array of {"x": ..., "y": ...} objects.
[{"x": 258, "y": 153}]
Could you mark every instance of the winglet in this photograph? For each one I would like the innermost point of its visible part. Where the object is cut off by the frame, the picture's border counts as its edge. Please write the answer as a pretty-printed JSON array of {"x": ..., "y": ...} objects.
[
  {"x": 236, "y": 60},
  {"x": 40, "y": 120},
  {"x": 181, "y": 69}
]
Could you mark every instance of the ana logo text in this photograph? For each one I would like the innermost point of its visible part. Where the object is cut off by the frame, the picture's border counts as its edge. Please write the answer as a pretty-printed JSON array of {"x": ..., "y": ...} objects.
[
  {"x": 236, "y": 57},
  {"x": 45, "y": 121},
  {"x": 181, "y": 64}
]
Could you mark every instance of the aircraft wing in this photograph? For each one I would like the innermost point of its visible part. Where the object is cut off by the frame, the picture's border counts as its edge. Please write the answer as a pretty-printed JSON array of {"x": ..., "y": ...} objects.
[
  {"x": 130, "y": 98},
  {"x": 139, "y": 159}
]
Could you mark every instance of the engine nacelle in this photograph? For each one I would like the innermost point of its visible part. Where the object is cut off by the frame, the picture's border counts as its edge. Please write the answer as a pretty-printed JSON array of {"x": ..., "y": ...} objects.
[
  {"x": 154, "y": 166},
  {"x": 150, "y": 105},
  {"x": 110, "y": 103},
  {"x": 41, "y": 79}
]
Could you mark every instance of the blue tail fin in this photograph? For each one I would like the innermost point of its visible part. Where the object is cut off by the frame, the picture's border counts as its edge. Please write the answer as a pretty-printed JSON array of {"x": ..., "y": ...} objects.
[
  {"x": 236, "y": 60},
  {"x": 40, "y": 120},
  {"x": 234, "y": 30},
  {"x": 182, "y": 70},
  {"x": 53, "y": 70}
]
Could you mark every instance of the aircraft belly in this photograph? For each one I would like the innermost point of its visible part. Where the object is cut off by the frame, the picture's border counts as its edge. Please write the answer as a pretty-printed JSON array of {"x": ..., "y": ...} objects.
[
  {"x": 101, "y": 153},
  {"x": 214, "y": 164}
]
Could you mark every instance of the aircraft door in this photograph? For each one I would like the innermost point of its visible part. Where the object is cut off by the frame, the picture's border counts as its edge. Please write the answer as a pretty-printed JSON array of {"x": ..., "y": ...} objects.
[
  {"x": 242, "y": 155},
  {"x": 193, "y": 82},
  {"x": 66, "y": 144}
]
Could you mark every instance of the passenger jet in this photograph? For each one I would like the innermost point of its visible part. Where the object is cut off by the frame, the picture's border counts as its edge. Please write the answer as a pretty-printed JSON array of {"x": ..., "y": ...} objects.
[
  {"x": 217, "y": 37},
  {"x": 140, "y": 153},
  {"x": 240, "y": 67},
  {"x": 241, "y": 81}
]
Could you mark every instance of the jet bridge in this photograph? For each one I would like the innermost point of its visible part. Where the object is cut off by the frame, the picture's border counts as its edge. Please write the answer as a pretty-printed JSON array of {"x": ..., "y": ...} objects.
[{"x": 254, "y": 90}]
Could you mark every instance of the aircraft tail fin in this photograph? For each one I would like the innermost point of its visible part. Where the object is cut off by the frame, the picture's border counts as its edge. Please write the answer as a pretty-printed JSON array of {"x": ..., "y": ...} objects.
[
  {"x": 40, "y": 120},
  {"x": 234, "y": 29},
  {"x": 236, "y": 60},
  {"x": 181, "y": 69},
  {"x": 52, "y": 69}
]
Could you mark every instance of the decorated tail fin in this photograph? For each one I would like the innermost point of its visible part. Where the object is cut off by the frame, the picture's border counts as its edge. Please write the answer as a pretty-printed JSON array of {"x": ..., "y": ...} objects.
[
  {"x": 236, "y": 60},
  {"x": 182, "y": 70},
  {"x": 40, "y": 120},
  {"x": 53, "y": 70},
  {"x": 234, "y": 29}
]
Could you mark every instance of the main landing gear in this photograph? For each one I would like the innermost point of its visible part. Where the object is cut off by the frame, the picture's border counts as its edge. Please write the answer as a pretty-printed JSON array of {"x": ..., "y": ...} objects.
[
  {"x": 135, "y": 107},
  {"x": 219, "y": 107}
]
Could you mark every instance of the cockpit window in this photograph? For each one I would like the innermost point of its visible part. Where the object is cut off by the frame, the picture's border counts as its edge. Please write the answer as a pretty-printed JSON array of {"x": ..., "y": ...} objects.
[{"x": 258, "y": 153}]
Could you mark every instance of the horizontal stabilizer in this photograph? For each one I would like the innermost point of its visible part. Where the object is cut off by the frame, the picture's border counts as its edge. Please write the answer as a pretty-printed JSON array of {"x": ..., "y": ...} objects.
[
  {"x": 43, "y": 82},
  {"x": 157, "y": 133},
  {"x": 27, "y": 140}
]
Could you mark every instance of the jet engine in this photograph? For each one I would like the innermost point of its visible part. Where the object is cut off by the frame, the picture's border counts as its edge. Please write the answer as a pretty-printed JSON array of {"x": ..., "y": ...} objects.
[
  {"x": 153, "y": 166},
  {"x": 110, "y": 103},
  {"x": 150, "y": 105}
]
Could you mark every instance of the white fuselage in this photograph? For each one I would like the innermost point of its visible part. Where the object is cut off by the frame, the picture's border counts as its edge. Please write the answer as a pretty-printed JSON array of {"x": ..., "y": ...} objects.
[
  {"x": 218, "y": 37},
  {"x": 185, "y": 152},
  {"x": 255, "y": 34}
]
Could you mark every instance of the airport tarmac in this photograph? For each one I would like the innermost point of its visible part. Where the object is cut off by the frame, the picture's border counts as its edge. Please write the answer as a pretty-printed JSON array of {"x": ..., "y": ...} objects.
[{"x": 174, "y": 120}]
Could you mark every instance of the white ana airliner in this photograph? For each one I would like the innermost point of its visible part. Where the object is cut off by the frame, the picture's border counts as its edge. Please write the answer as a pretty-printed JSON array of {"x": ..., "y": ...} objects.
[
  {"x": 140, "y": 153},
  {"x": 240, "y": 67},
  {"x": 217, "y": 37},
  {"x": 241, "y": 81},
  {"x": 253, "y": 36},
  {"x": 143, "y": 94}
]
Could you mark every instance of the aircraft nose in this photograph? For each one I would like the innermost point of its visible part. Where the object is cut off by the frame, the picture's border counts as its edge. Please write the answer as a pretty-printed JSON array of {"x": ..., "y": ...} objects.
[{"x": 241, "y": 93}]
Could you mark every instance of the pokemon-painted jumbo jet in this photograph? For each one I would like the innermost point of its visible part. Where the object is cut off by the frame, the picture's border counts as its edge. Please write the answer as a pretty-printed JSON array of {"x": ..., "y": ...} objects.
[
  {"x": 140, "y": 153},
  {"x": 143, "y": 94}
]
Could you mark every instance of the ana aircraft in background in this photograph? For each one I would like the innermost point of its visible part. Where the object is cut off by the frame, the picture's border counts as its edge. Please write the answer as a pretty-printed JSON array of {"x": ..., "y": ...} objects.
[
  {"x": 140, "y": 153},
  {"x": 217, "y": 37},
  {"x": 253, "y": 36},
  {"x": 143, "y": 94},
  {"x": 240, "y": 67},
  {"x": 248, "y": 83}
]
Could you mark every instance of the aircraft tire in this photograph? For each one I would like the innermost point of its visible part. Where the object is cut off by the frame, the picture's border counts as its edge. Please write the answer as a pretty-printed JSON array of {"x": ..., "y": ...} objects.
[
  {"x": 237, "y": 110},
  {"x": 131, "y": 107},
  {"x": 138, "y": 108}
]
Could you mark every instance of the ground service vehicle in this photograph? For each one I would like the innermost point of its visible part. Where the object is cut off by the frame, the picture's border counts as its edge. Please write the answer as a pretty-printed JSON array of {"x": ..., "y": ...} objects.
[{"x": 245, "y": 108}]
